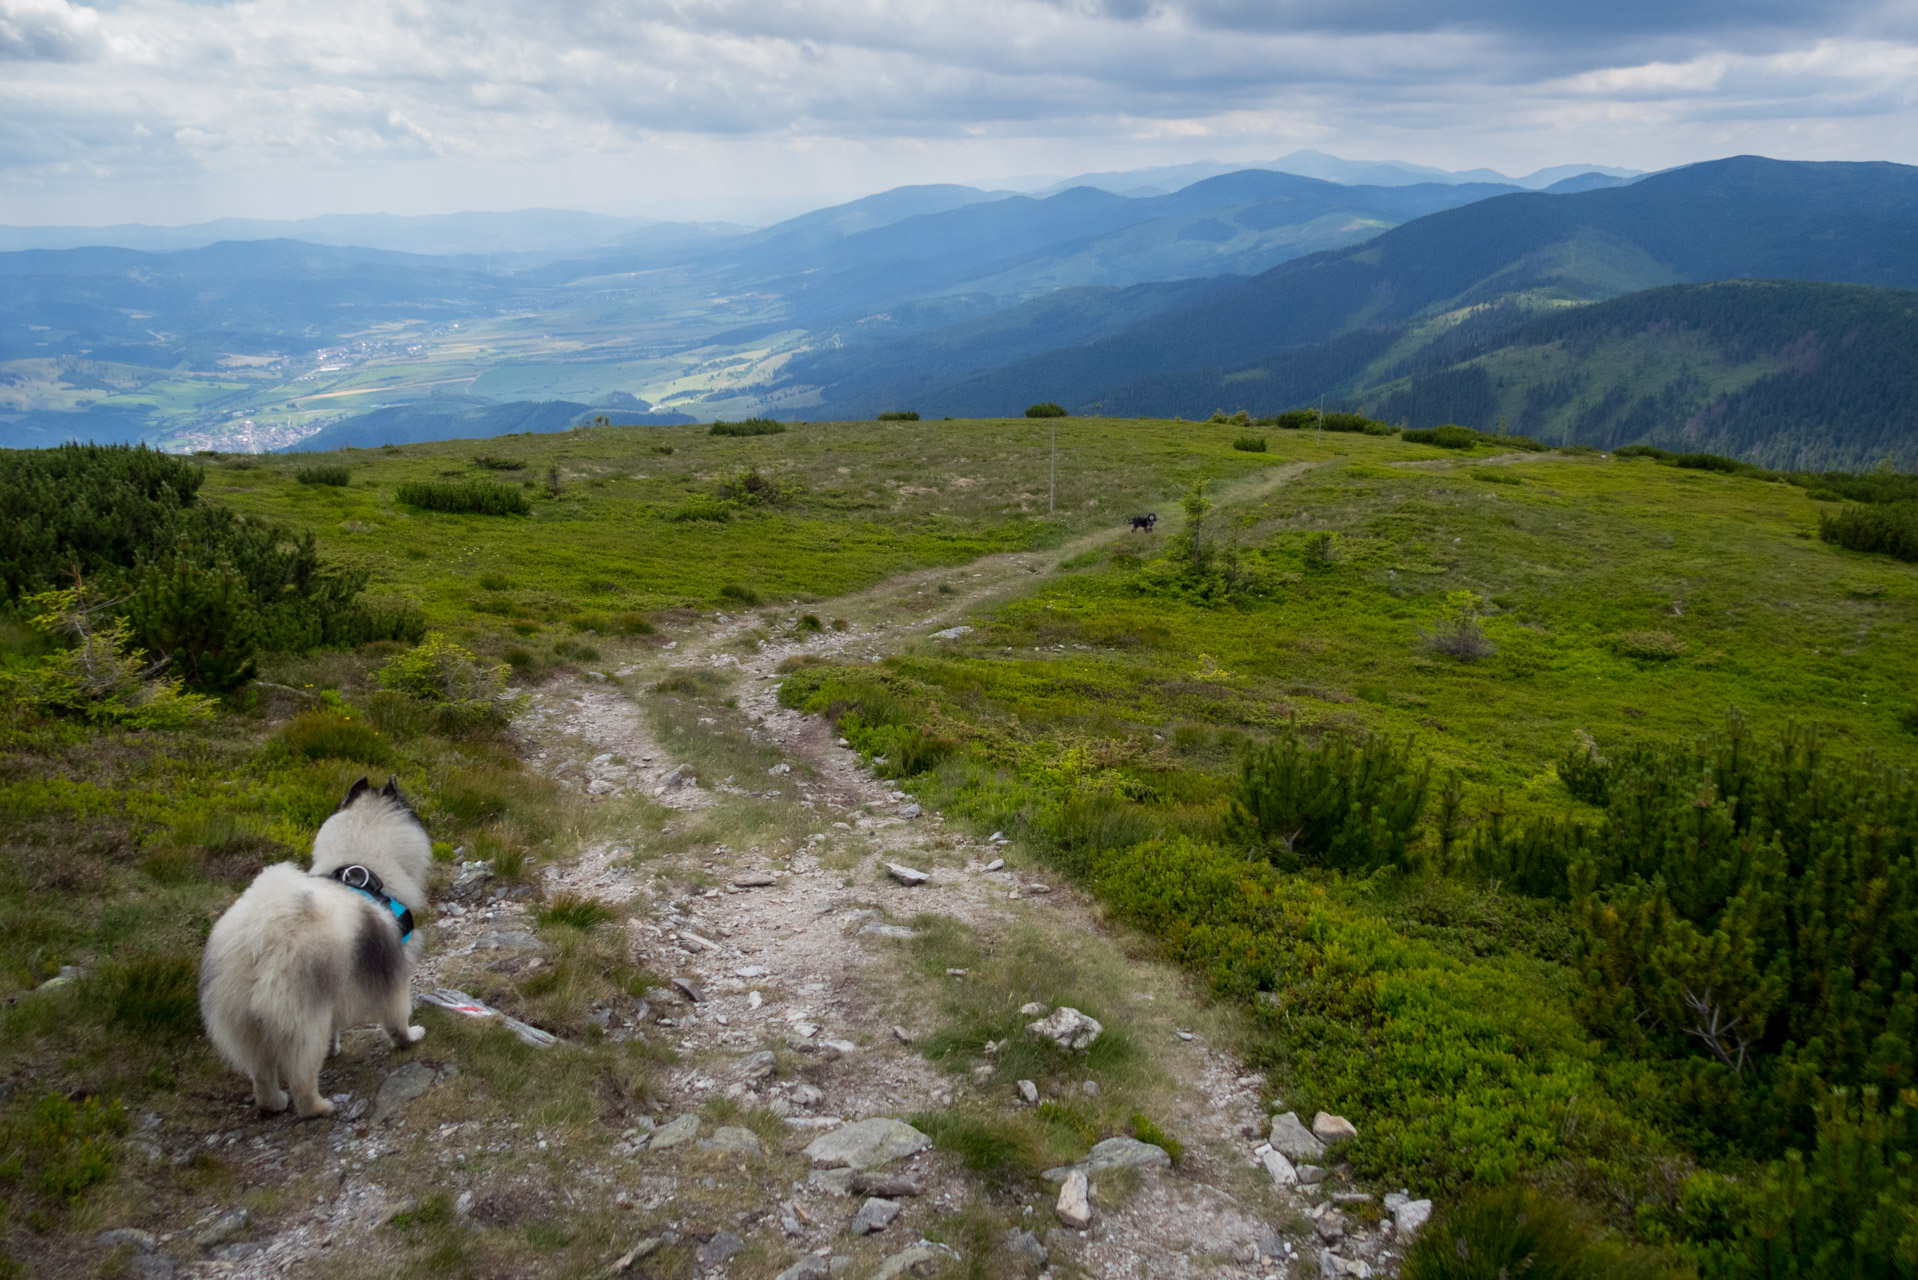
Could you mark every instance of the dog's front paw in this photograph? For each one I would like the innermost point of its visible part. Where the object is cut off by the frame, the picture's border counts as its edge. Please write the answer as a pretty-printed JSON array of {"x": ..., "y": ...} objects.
[
  {"x": 316, "y": 1109},
  {"x": 415, "y": 1034}
]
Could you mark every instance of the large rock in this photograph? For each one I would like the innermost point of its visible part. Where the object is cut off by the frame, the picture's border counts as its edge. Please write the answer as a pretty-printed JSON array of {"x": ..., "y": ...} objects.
[
  {"x": 1283, "y": 1174},
  {"x": 874, "y": 1216},
  {"x": 722, "y": 1246},
  {"x": 1114, "y": 1153},
  {"x": 1026, "y": 1244},
  {"x": 227, "y": 1226},
  {"x": 908, "y": 876},
  {"x": 401, "y": 1087},
  {"x": 733, "y": 1140},
  {"x": 1408, "y": 1215},
  {"x": 1067, "y": 1028},
  {"x": 1075, "y": 1204},
  {"x": 675, "y": 1132},
  {"x": 1332, "y": 1130},
  {"x": 1293, "y": 1140},
  {"x": 866, "y": 1144},
  {"x": 921, "y": 1260}
]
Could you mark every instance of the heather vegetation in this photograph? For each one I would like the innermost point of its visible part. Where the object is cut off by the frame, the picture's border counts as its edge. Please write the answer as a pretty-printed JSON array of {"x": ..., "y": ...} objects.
[{"x": 1548, "y": 814}]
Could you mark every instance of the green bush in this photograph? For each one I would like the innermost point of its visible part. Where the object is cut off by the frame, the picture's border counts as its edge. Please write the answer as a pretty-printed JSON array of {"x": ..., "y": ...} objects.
[
  {"x": 1706, "y": 462},
  {"x": 1706, "y": 900},
  {"x": 1890, "y": 528},
  {"x": 199, "y": 617},
  {"x": 1045, "y": 409},
  {"x": 464, "y": 692},
  {"x": 1446, "y": 437},
  {"x": 465, "y": 497},
  {"x": 131, "y": 521},
  {"x": 100, "y": 676},
  {"x": 1249, "y": 444},
  {"x": 1847, "y": 1208},
  {"x": 1350, "y": 804},
  {"x": 1503, "y": 1234},
  {"x": 335, "y": 476},
  {"x": 741, "y": 595},
  {"x": 899, "y": 415},
  {"x": 325, "y": 734},
  {"x": 753, "y": 488},
  {"x": 493, "y": 462},
  {"x": 62, "y": 1148},
  {"x": 749, "y": 427}
]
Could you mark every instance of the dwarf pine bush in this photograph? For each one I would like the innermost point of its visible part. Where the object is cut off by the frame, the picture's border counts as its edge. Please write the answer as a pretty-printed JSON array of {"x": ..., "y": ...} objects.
[{"x": 464, "y": 497}]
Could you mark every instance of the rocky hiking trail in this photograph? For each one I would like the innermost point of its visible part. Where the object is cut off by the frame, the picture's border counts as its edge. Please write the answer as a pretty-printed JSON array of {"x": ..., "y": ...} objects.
[{"x": 779, "y": 904}]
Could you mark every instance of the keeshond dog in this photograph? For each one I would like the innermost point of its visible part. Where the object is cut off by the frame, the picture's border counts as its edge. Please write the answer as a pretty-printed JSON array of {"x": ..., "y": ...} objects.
[{"x": 305, "y": 954}]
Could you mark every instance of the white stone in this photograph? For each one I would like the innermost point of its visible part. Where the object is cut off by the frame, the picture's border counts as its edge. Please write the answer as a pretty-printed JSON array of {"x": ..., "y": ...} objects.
[
  {"x": 906, "y": 875},
  {"x": 1410, "y": 1216},
  {"x": 1029, "y": 1091},
  {"x": 1075, "y": 1205},
  {"x": 1067, "y": 1028},
  {"x": 1033, "y": 1009},
  {"x": 1331, "y": 1129},
  {"x": 1283, "y": 1174}
]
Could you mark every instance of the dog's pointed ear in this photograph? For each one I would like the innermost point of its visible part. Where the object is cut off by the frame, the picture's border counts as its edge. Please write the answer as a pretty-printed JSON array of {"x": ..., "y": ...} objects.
[
  {"x": 392, "y": 788},
  {"x": 354, "y": 792}
]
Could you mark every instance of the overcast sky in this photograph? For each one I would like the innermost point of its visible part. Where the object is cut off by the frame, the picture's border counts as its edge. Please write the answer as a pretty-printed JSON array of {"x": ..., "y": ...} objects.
[{"x": 180, "y": 110}]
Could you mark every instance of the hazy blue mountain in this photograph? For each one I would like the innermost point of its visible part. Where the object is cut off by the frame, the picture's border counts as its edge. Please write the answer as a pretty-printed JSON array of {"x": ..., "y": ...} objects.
[
  {"x": 1399, "y": 173},
  {"x": 162, "y": 309},
  {"x": 466, "y": 417},
  {"x": 1785, "y": 373},
  {"x": 521, "y": 231},
  {"x": 1742, "y": 217}
]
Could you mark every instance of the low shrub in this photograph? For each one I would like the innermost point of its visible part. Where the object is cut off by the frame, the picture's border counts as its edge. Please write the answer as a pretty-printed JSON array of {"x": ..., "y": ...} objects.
[
  {"x": 1502, "y": 1234},
  {"x": 61, "y": 1148},
  {"x": 574, "y": 912},
  {"x": 1890, "y": 528},
  {"x": 1249, "y": 444},
  {"x": 464, "y": 692},
  {"x": 1449, "y": 436},
  {"x": 1492, "y": 475},
  {"x": 493, "y": 462},
  {"x": 748, "y": 427},
  {"x": 1351, "y": 804},
  {"x": 574, "y": 651},
  {"x": 1706, "y": 462},
  {"x": 1641, "y": 451},
  {"x": 468, "y": 497},
  {"x": 1045, "y": 409},
  {"x": 325, "y": 734},
  {"x": 899, "y": 415},
  {"x": 337, "y": 477},
  {"x": 1458, "y": 633},
  {"x": 742, "y": 595},
  {"x": 692, "y": 681},
  {"x": 753, "y": 488}
]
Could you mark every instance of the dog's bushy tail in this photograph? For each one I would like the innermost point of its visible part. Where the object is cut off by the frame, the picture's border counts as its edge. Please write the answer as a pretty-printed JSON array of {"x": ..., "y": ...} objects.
[{"x": 272, "y": 975}]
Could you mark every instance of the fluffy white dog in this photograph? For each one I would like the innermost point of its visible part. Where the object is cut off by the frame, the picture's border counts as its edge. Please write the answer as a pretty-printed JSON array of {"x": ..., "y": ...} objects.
[{"x": 303, "y": 955}]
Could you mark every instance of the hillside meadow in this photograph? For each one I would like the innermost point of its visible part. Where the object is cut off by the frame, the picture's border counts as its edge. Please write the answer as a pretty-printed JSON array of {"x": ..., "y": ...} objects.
[{"x": 1325, "y": 738}]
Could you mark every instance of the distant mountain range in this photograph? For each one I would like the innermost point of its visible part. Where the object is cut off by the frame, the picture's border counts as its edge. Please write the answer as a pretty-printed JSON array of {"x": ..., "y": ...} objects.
[
  {"x": 1336, "y": 322},
  {"x": 1327, "y": 168},
  {"x": 1254, "y": 288}
]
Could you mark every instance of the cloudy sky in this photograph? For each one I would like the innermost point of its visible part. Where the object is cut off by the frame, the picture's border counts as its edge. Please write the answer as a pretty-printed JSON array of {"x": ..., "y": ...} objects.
[{"x": 179, "y": 110}]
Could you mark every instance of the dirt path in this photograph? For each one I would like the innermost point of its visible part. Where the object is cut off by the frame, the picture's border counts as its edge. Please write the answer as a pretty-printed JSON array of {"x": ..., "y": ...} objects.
[{"x": 763, "y": 896}]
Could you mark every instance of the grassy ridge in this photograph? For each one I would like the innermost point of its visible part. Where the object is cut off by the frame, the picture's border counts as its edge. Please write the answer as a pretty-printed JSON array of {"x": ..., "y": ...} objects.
[{"x": 1100, "y": 717}]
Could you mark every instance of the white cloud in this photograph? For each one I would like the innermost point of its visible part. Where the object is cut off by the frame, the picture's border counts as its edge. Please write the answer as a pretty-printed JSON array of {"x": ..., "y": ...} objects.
[
  {"x": 48, "y": 30},
  {"x": 177, "y": 109}
]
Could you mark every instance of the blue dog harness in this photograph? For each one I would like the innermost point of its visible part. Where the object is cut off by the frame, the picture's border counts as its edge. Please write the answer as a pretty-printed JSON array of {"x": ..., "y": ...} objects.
[{"x": 364, "y": 880}]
